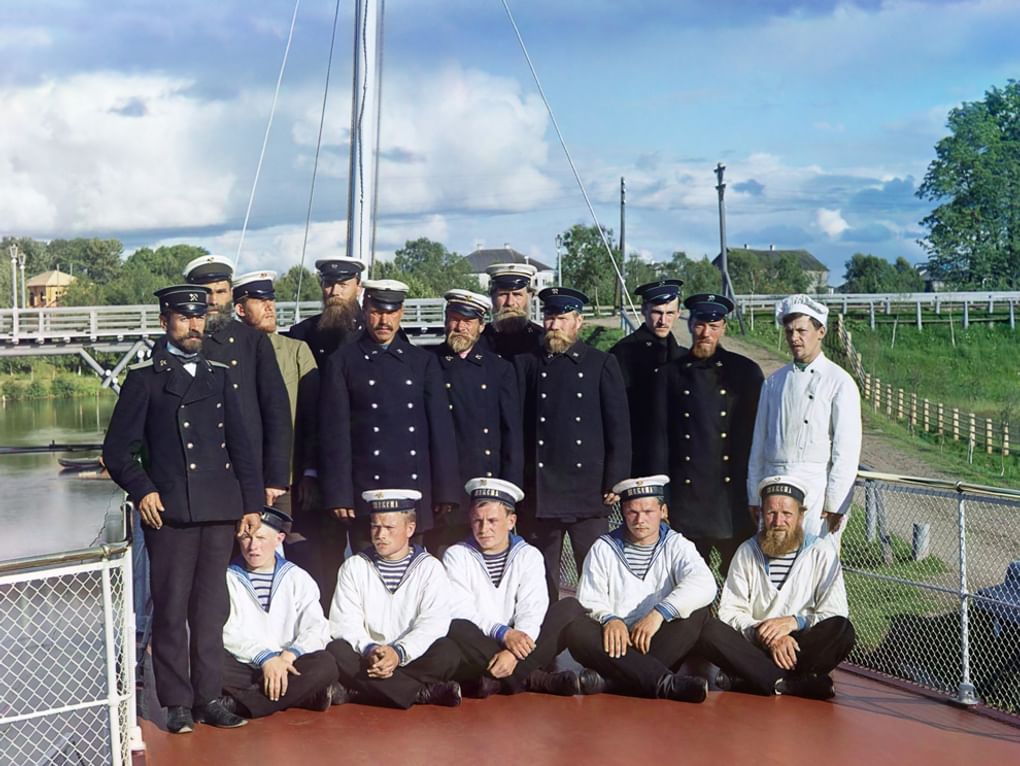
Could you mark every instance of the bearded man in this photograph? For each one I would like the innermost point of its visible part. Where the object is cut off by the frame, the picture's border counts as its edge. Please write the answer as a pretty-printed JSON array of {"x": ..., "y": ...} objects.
[
  {"x": 511, "y": 332},
  {"x": 486, "y": 409},
  {"x": 340, "y": 320},
  {"x": 783, "y": 618},
  {"x": 576, "y": 435}
]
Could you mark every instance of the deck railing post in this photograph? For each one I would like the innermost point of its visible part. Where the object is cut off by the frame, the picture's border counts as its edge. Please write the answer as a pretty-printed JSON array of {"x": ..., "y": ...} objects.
[{"x": 966, "y": 694}]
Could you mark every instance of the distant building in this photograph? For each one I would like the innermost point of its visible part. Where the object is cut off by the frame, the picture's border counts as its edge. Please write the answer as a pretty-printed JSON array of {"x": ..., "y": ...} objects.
[
  {"x": 45, "y": 290},
  {"x": 817, "y": 272},
  {"x": 931, "y": 284},
  {"x": 481, "y": 259}
]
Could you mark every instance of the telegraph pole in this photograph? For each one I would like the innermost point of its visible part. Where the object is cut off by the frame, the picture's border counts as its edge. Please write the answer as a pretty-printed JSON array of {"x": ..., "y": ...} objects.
[
  {"x": 727, "y": 285},
  {"x": 620, "y": 297},
  {"x": 13, "y": 252}
]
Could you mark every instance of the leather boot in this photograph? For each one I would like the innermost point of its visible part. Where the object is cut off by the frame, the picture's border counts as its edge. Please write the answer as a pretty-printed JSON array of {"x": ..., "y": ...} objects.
[
  {"x": 565, "y": 683},
  {"x": 444, "y": 693},
  {"x": 674, "y": 686}
]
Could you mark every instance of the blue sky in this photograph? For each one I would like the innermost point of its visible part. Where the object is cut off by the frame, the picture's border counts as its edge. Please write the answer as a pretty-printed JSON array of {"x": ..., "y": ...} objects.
[{"x": 143, "y": 120}]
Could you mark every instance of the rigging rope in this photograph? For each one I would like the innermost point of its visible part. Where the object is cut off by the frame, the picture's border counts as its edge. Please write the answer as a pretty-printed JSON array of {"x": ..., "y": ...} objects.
[
  {"x": 566, "y": 152},
  {"x": 269, "y": 126}
]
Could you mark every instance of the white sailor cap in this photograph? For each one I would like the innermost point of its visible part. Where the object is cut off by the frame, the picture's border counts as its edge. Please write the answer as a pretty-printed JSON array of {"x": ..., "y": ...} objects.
[
  {"x": 208, "y": 268},
  {"x": 782, "y": 484},
  {"x": 254, "y": 284},
  {"x": 801, "y": 304},
  {"x": 387, "y": 500},
  {"x": 387, "y": 294},
  {"x": 511, "y": 276},
  {"x": 644, "y": 486},
  {"x": 484, "y": 487},
  {"x": 467, "y": 303}
]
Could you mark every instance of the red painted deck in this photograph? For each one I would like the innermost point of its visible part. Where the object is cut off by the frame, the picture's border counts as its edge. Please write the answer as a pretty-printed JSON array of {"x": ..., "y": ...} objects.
[{"x": 868, "y": 723}]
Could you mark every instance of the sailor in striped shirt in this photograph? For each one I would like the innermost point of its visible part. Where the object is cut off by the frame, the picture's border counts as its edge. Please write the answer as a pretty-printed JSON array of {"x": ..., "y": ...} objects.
[
  {"x": 783, "y": 618},
  {"x": 503, "y": 623}
]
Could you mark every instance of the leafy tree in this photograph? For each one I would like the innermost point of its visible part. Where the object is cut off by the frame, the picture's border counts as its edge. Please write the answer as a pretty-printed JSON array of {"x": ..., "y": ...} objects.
[
  {"x": 147, "y": 270},
  {"x": 699, "y": 276},
  {"x": 97, "y": 259},
  {"x": 428, "y": 269},
  {"x": 752, "y": 273},
  {"x": 973, "y": 235},
  {"x": 287, "y": 285},
  {"x": 871, "y": 274},
  {"x": 36, "y": 261},
  {"x": 586, "y": 265},
  {"x": 83, "y": 292}
]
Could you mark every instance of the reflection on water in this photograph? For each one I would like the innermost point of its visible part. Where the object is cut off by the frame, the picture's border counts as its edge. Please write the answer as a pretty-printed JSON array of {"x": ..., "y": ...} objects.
[{"x": 42, "y": 510}]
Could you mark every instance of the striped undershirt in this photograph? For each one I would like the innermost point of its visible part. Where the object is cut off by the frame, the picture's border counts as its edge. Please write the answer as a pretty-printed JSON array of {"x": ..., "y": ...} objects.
[
  {"x": 262, "y": 584},
  {"x": 495, "y": 564},
  {"x": 392, "y": 572},
  {"x": 639, "y": 557},
  {"x": 779, "y": 568}
]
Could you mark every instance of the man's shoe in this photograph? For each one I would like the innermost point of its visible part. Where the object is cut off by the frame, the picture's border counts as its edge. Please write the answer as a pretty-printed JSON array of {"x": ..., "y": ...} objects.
[
  {"x": 444, "y": 693},
  {"x": 564, "y": 683},
  {"x": 674, "y": 686},
  {"x": 216, "y": 714},
  {"x": 340, "y": 694},
  {"x": 179, "y": 720},
  {"x": 480, "y": 688},
  {"x": 810, "y": 685},
  {"x": 320, "y": 700},
  {"x": 592, "y": 682}
]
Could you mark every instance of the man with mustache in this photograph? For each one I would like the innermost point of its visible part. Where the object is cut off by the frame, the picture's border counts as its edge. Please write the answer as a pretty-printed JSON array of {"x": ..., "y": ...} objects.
[
  {"x": 486, "y": 409},
  {"x": 511, "y": 332},
  {"x": 711, "y": 401},
  {"x": 576, "y": 435},
  {"x": 643, "y": 356},
  {"x": 385, "y": 405},
  {"x": 808, "y": 422},
  {"x": 783, "y": 617},
  {"x": 340, "y": 320},
  {"x": 196, "y": 478}
]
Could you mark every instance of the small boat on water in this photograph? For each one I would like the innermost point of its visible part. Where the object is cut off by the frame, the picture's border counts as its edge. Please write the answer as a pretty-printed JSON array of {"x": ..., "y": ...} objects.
[{"x": 81, "y": 463}]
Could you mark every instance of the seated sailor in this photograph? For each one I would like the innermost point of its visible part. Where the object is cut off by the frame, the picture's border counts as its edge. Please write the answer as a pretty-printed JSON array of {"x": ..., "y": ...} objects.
[
  {"x": 276, "y": 633},
  {"x": 503, "y": 623},
  {"x": 646, "y": 591},
  {"x": 390, "y": 614},
  {"x": 782, "y": 623}
]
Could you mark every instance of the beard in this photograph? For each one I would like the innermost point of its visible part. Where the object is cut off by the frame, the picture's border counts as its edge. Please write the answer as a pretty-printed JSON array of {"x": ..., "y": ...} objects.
[
  {"x": 779, "y": 542},
  {"x": 460, "y": 342},
  {"x": 556, "y": 341},
  {"x": 217, "y": 320},
  {"x": 339, "y": 316},
  {"x": 510, "y": 319}
]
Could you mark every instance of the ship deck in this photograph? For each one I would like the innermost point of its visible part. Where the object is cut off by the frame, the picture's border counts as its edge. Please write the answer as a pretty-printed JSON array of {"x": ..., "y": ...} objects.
[{"x": 868, "y": 722}]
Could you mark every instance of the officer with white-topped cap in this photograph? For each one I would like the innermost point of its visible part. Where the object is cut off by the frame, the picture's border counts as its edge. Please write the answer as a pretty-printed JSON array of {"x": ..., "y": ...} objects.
[
  {"x": 646, "y": 591},
  {"x": 340, "y": 319},
  {"x": 486, "y": 408},
  {"x": 503, "y": 623},
  {"x": 783, "y": 617},
  {"x": 390, "y": 614},
  {"x": 511, "y": 331},
  {"x": 809, "y": 421},
  {"x": 384, "y": 419},
  {"x": 576, "y": 435}
]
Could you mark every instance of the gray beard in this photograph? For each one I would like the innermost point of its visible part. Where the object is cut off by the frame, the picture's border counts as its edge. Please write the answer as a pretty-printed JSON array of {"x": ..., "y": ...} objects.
[
  {"x": 460, "y": 343},
  {"x": 215, "y": 321},
  {"x": 509, "y": 320}
]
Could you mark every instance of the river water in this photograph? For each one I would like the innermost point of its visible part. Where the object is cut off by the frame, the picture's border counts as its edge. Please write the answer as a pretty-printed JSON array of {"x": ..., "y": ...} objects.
[{"x": 43, "y": 510}]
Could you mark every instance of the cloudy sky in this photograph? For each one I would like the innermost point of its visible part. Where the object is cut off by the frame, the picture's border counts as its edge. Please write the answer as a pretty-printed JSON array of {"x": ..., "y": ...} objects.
[{"x": 143, "y": 120}]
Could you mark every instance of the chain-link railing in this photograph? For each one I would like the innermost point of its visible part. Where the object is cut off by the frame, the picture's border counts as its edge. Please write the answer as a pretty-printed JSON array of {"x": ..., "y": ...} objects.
[{"x": 67, "y": 693}]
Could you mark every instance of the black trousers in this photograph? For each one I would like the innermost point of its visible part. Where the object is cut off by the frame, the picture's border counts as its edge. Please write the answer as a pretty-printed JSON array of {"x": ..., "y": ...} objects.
[
  {"x": 322, "y": 551},
  {"x": 822, "y": 648},
  {"x": 477, "y": 649},
  {"x": 190, "y": 605},
  {"x": 636, "y": 673},
  {"x": 547, "y": 535},
  {"x": 727, "y": 547},
  {"x": 439, "y": 663},
  {"x": 244, "y": 683}
]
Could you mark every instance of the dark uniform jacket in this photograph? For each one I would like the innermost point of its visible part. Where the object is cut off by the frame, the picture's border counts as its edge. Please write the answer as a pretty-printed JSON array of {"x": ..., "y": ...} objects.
[
  {"x": 323, "y": 344},
  {"x": 482, "y": 389},
  {"x": 255, "y": 375},
  {"x": 643, "y": 357},
  {"x": 385, "y": 423},
  {"x": 712, "y": 405},
  {"x": 576, "y": 432},
  {"x": 510, "y": 345},
  {"x": 191, "y": 434}
]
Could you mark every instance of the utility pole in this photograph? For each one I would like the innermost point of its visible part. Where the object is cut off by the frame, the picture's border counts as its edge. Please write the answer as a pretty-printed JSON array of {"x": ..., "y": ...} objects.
[
  {"x": 13, "y": 252},
  {"x": 559, "y": 250},
  {"x": 727, "y": 285},
  {"x": 620, "y": 286}
]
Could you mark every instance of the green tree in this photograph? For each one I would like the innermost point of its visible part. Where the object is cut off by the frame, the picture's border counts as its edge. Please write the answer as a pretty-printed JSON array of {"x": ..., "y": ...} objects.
[
  {"x": 752, "y": 273},
  {"x": 867, "y": 273},
  {"x": 699, "y": 276},
  {"x": 973, "y": 235},
  {"x": 36, "y": 261},
  {"x": 287, "y": 285},
  {"x": 586, "y": 264},
  {"x": 428, "y": 269},
  {"x": 97, "y": 259},
  {"x": 83, "y": 292},
  {"x": 147, "y": 270}
]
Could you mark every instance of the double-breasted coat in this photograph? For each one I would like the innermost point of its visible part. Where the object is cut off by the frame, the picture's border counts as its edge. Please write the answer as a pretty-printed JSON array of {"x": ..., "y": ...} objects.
[
  {"x": 322, "y": 343},
  {"x": 643, "y": 357},
  {"x": 711, "y": 407},
  {"x": 511, "y": 344},
  {"x": 385, "y": 423},
  {"x": 576, "y": 432}
]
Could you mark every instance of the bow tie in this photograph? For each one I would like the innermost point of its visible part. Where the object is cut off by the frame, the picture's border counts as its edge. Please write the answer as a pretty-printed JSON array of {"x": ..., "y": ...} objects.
[{"x": 188, "y": 358}]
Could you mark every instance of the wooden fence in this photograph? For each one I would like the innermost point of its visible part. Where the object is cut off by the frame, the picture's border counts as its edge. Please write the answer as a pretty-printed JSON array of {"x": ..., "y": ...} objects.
[{"x": 921, "y": 416}]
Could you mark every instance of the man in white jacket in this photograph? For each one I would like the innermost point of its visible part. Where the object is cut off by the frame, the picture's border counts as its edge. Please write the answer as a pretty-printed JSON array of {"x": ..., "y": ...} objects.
[
  {"x": 809, "y": 422},
  {"x": 391, "y": 612},
  {"x": 783, "y": 618},
  {"x": 646, "y": 590},
  {"x": 276, "y": 633},
  {"x": 503, "y": 623}
]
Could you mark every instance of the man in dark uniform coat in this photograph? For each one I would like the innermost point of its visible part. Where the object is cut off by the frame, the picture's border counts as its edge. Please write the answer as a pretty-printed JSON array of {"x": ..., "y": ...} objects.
[
  {"x": 198, "y": 478},
  {"x": 712, "y": 397},
  {"x": 385, "y": 419},
  {"x": 252, "y": 371},
  {"x": 643, "y": 356},
  {"x": 486, "y": 409},
  {"x": 576, "y": 435},
  {"x": 511, "y": 332},
  {"x": 340, "y": 320}
]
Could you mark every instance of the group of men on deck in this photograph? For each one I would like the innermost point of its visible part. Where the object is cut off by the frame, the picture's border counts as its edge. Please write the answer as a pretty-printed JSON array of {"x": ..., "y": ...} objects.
[{"x": 400, "y": 512}]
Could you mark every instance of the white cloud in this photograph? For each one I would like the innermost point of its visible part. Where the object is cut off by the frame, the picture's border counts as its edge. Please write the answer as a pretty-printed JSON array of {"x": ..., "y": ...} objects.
[{"x": 831, "y": 222}]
